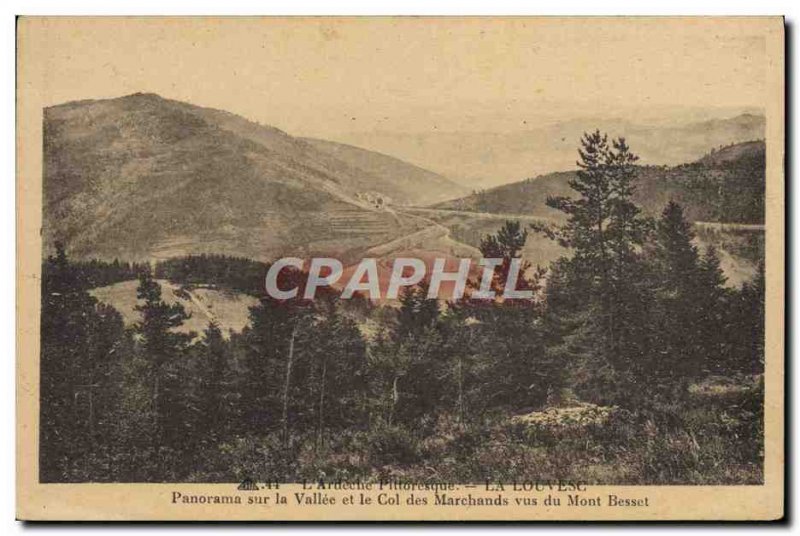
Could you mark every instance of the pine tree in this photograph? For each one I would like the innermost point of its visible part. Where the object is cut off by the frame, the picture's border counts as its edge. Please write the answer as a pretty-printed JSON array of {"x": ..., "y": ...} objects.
[
  {"x": 462, "y": 352},
  {"x": 507, "y": 244},
  {"x": 418, "y": 373},
  {"x": 277, "y": 364},
  {"x": 79, "y": 346},
  {"x": 677, "y": 356},
  {"x": 677, "y": 255},
  {"x": 416, "y": 312},
  {"x": 712, "y": 299},
  {"x": 163, "y": 348},
  {"x": 503, "y": 333},
  {"x": 339, "y": 374},
  {"x": 215, "y": 390},
  {"x": 135, "y": 452},
  {"x": 606, "y": 231}
]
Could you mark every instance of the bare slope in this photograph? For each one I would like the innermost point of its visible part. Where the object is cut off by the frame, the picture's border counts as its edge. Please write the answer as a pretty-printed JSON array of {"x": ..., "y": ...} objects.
[
  {"x": 402, "y": 182},
  {"x": 142, "y": 177},
  {"x": 230, "y": 310}
]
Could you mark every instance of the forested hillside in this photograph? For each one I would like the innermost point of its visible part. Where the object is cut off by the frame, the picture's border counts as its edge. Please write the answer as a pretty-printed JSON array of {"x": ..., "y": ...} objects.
[{"x": 726, "y": 185}]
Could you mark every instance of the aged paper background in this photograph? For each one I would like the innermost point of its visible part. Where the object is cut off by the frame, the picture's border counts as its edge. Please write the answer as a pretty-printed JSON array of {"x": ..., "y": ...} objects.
[{"x": 42, "y": 41}]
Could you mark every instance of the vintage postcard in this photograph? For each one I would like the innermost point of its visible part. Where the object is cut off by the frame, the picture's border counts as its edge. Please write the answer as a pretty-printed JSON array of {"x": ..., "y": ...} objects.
[{"x": 400, "y": 269}]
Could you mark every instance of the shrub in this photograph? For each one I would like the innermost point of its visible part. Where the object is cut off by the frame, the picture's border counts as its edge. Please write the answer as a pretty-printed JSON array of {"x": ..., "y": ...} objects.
[{"x": 392, "y": 444}]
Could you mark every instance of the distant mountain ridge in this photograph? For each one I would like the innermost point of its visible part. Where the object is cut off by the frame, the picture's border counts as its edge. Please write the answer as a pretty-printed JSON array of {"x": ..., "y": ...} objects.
[
  {"x": 488, "y": 159},
  {"x": 141, "y": 177},
  {"x": 726, "y": 185},
  {"x": 734, "y": 152}
]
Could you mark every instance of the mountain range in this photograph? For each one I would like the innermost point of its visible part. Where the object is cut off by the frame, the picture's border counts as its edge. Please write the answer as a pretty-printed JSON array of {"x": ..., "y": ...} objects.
[{"x": 141, "y": 177}]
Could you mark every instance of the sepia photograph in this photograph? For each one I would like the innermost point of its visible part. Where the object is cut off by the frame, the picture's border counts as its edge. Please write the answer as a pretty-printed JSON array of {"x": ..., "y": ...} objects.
[{"x": 465, "y": 265}]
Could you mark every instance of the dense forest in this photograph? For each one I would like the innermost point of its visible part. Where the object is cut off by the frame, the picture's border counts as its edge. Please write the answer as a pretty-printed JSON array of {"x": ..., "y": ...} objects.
[{"x": 633, "y": 363}]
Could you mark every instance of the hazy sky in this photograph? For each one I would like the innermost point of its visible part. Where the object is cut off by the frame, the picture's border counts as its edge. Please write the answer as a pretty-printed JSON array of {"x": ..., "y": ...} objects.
[{"x": 323, "y": 76}]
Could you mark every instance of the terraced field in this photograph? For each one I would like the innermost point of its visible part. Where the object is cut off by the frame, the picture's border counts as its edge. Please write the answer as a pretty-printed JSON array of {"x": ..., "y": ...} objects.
[{"x": 358, "y": 222}]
